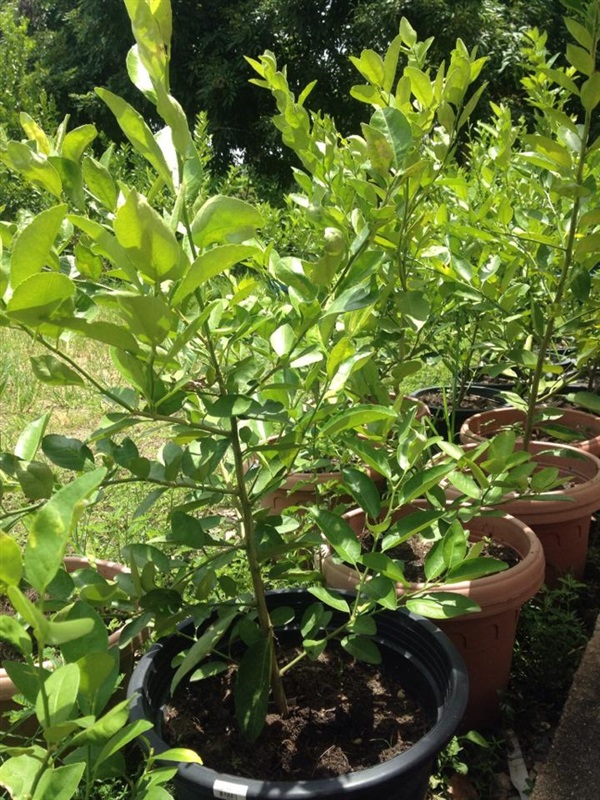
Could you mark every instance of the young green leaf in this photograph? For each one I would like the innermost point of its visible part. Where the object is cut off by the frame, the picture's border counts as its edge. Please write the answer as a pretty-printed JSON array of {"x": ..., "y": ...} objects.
[
  {"x": 61, "y": 689},
  {"x": 362, "y": 648},
  {"x": 330, "y": 598},
  {"x": 363, "y": 490},
  {"x": 441, "y": 605},
  {"x": 252, "y": 687},
  {"x": 338, "y": 533},
  {"x": 31, "y": 248}
]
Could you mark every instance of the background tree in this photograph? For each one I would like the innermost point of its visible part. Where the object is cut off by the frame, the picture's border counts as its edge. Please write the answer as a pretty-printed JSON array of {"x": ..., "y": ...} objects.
[{"x": 82, "y": 43}]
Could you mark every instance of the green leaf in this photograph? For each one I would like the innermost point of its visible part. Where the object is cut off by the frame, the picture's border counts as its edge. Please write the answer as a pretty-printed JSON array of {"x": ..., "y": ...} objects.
[
  {"x": 370, "y": 66},
  {"x": 60, "y": 783},
  {"x": 208, "y": 670},
  {"x": 314, "y": 619},
  {"x": 588, "y": 244},
  {"x": 455, "y": 543},
  {"x": 148, "y": 317},
  {"x": 211, "y": 263},
  {"x": 414, "y": 306},
  {"x": 382, "y": 590},
  {"x": 182, "y": 754},
  {"x": 579, "y": 32},
  {"x": 397, "y": 131},
  {"x": 474, "y": 568},
  {"x": 148, "y": 241},
  {"x": 203, "y": 646},
  {"x": 31, "y": 248},
  {"x": 38, "y": 297},
  {"x": 372, "y": 456},
  {"x": 352, "y": 299},
  {"x": 362, "y": 648},
  {"x": 35, "y": 133},
  {"x": 356, "y": 417},
  {"x": 122, "y": 738},
  {"x": 282, "y": 339},
  {"x": 30, "y": 438},
  {"x": 314, "y": 647},
  {"x": 105, "y": 332},
  {"x": 420, "y": 85},
  {"x": 77, "y": 140},
  {"x": 580, "y": 59},
  {"x": 330, "y": 598},
  {"x": 367, "y": 94},
  {"x": 410, "y": 524},
  {"x": 91, "y": 630},
  {"x": 10, "y": 629},
  {"x": 380, "y": 563},
  {"x": 363, "y": 490},
  {"x": 105, "y": 244},
  {"x": 587, "y": 400},
  {"x": 590, "y": 92},
  {"x": 100, "y": 182},
  {"x": 49, "y": 369},
  {"x": 26, "y": 677},
  {"x": 441, "y": 605},
  {"x": 137, "y": 131},
  {"x": 421, "y": 482},
  {"x": 252, "y": 687},
  {"x": 18, "y": 774},
  {"x": 225, "y": 220},
  {"x": 51, "y": 527},
  {"x": 105, "y": 727},
  {"x": 60, "y": 633},
  {"x": 36, "y": 480},
  {"x": 61, "y": 689},
  {"x": 465, "y": 484},
  {"x": 66, "y": 452},
  {"x": 34, "y": 168},
  {"x": 99, "y": 673},
  {"x": 338, "y": 533}
]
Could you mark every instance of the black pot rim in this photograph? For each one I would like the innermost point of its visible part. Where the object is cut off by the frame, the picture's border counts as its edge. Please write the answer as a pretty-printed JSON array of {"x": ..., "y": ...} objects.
[{"x": 423, "y": 751}]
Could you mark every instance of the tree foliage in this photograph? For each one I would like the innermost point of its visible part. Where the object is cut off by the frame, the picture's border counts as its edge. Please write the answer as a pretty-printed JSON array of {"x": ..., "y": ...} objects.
[{"x": 83, "y": 43}]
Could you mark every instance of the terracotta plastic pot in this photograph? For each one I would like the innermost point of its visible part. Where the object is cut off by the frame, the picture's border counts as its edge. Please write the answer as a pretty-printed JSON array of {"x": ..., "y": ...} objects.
[
  {"x": 108, "y": 570},
  {"x": 485, "y": 639},
  {"x": 488, "y": 423},
  {"x": 562, "y": 525},
  {"x": 431, "y": 669},
  {"x": 459, "y": 414}
]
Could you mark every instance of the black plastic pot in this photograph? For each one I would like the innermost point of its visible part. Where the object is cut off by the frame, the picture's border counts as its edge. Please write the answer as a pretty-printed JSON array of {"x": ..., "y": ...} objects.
[
  {"x": 460, "y": 414},
  {"x": 431, "y": 670}
]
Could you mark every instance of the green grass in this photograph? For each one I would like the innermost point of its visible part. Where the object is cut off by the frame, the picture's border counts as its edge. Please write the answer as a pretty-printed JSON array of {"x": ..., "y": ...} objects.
[{"x": 73, "y": 409}]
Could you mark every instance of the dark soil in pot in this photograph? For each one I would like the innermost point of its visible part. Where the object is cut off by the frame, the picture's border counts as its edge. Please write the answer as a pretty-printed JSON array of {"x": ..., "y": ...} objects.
[{"x": 344, "y": 716}]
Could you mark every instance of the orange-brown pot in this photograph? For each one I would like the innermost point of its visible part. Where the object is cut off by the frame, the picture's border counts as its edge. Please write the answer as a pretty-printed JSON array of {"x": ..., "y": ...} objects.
[
  {"x": 484, "y": 639},
  {"x": 488, "y": 423}
]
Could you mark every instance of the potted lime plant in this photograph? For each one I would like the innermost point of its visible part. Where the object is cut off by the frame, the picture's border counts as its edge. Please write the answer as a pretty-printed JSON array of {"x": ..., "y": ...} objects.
[
  {"x": 218, "y": 359},
  {"x": 544, "y": 227}
]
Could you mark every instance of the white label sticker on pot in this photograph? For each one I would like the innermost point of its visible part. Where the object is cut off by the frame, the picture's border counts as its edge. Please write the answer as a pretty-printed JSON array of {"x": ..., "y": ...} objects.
[{"x": 225, "y": 790}]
